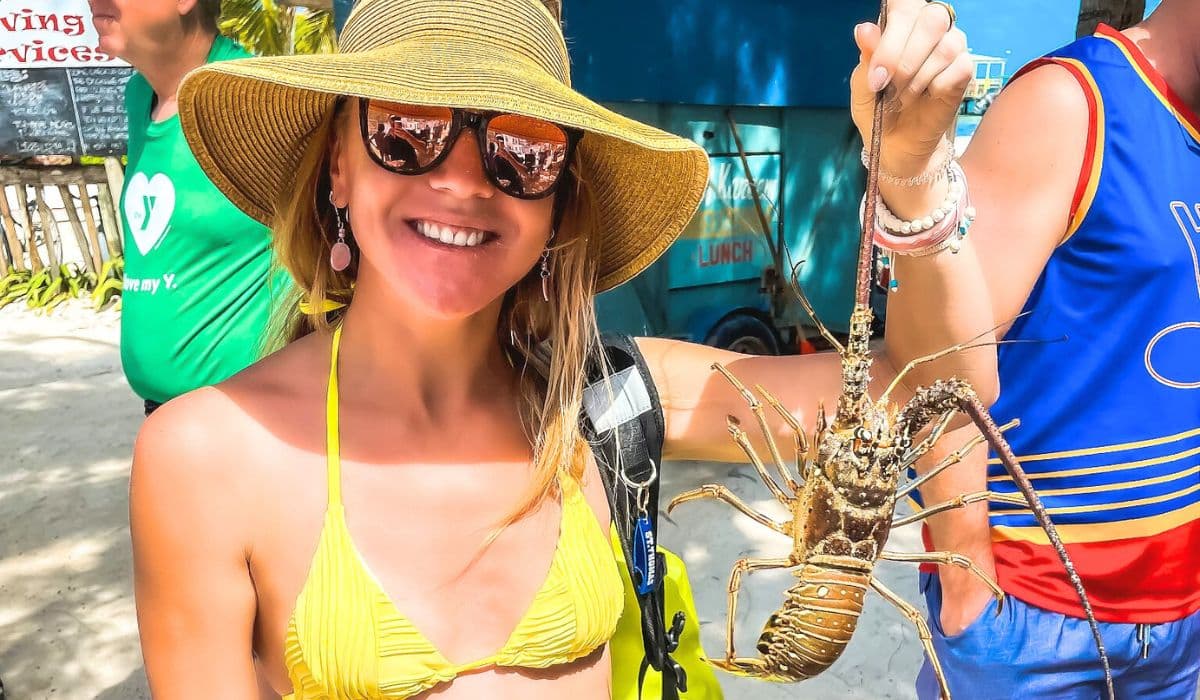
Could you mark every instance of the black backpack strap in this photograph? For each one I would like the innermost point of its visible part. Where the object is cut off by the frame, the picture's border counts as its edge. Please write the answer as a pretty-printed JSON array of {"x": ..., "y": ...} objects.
[{"x": 623, "y": 420}]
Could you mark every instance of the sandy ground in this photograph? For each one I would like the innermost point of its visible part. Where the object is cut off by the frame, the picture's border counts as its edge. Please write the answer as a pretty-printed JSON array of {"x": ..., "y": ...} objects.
[{"x": 67, "y": 627}]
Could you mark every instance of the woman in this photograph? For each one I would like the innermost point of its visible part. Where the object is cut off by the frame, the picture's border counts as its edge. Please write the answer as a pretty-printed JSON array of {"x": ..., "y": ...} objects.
[{"x": 394, "y": 504}]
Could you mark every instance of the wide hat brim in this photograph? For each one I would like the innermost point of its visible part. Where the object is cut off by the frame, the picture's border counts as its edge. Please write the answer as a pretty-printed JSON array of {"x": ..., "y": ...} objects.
[{"x": 248, "y": 123}]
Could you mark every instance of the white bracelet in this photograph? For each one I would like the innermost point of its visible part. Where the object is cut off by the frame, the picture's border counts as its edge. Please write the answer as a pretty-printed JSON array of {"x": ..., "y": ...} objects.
[
  {"x": 894, "y": 237},
  {"x": 949, "y": 205}
]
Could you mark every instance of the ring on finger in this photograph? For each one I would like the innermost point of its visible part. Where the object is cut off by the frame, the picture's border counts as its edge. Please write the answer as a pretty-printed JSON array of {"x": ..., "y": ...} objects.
[{"x": 949, "y": 9}]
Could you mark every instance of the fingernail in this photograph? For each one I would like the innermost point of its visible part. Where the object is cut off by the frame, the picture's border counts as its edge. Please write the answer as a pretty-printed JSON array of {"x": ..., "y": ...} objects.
[{"x": 879, "y": 78}]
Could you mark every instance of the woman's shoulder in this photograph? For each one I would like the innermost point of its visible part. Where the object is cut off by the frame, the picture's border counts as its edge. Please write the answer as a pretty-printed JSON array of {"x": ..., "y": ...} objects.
[{"x": 221, "y": 432}]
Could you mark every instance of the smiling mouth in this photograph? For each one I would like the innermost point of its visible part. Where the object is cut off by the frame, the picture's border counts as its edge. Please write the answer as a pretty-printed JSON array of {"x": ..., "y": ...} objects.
[{"x": 457, "y": 236}]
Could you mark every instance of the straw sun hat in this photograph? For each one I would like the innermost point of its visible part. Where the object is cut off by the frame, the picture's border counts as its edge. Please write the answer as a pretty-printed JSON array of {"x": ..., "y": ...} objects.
[{"x": 248, "y": 121}]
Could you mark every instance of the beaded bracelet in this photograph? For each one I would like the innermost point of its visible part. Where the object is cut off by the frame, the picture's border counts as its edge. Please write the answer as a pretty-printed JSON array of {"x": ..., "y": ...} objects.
[
  {"x": 944, "y": 234},
  {"x": 902, "y": 227}
]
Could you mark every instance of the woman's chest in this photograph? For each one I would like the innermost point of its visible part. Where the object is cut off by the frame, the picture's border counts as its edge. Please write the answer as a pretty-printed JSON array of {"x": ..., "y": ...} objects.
[{"x": 422, "y": 538}]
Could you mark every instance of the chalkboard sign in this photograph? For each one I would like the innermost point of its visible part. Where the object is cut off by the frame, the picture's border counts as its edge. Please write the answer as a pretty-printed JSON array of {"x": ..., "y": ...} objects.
[
  {"x": 63, "y": 111},
  {"x": 100, "y": 105}
]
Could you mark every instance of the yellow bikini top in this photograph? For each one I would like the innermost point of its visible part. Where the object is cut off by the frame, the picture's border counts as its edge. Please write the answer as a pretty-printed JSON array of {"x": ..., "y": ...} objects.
[{"x": 346, "y": 639}]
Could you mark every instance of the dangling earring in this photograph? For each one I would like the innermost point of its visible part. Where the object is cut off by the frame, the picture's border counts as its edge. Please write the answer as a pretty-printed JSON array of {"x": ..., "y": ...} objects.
[
  {"x": 546, "y": 268},
  {"x": 546, "y": 275},
  {"x": 339, "y": 254}
]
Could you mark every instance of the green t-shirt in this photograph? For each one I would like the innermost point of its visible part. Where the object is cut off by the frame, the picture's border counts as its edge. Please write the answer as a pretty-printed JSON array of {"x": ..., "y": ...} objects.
[{"x": 198, "y": 283}]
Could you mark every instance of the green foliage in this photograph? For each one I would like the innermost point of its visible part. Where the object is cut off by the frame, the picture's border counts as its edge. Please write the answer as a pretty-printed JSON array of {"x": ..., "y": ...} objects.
[
  {"x": 45, "y": 290},
  {"x": 315, "y": 33},
  {"x": 268, "y": 28},
  {"x": 108, "y": 283}
]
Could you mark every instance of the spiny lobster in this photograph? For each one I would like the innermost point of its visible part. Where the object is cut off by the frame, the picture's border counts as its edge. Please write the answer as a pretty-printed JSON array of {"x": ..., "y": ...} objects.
[{"x": 844, "y": 509}]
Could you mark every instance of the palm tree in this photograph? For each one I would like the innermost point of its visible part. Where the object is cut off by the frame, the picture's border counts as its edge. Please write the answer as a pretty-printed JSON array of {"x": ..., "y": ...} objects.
[
  {"x": 314, "y": 32},
  {"x": 1117, "y": 13},
  {"x": 275, "y": 27}
]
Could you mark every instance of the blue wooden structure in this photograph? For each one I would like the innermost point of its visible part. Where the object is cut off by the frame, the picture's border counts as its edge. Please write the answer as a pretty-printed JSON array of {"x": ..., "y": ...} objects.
[
  {"x": 781, "y": 68},
  {"x": 783, "y": 76},
  {"x": 713, "y": 52}
]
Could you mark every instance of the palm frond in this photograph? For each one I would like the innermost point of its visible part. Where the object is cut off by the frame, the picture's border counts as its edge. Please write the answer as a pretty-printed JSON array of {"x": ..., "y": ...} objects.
[
  {"x": 269, "y": 28},
  {"x": 315, "y": 33}
]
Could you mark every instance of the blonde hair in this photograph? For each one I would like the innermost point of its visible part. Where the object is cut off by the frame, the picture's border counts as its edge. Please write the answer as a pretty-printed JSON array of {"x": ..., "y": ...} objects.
[
  {"x": 551, "y": 396},
  {"x": 555, "y": 7}
]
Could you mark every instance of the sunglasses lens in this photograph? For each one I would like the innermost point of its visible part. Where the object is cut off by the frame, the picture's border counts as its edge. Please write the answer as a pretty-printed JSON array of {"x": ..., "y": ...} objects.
[
  {"x": 407, "y": 138},
  {"x": 525, "y": 155}
]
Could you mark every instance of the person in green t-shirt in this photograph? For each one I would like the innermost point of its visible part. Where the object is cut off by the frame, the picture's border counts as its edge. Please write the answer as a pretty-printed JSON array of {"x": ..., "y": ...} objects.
[{"x": 198, "y": 281}]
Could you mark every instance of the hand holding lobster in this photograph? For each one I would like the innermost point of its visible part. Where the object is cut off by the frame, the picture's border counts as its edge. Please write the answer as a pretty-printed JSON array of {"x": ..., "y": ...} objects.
[{"x": 920, "y": 64}]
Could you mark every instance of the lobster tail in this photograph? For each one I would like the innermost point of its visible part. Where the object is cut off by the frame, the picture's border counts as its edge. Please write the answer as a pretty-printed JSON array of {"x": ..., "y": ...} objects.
[{"x": 816, "y": 622}]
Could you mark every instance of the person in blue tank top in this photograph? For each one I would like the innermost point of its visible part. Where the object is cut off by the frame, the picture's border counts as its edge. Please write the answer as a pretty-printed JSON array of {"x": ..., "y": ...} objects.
[{"x": 1086, "y": 177}]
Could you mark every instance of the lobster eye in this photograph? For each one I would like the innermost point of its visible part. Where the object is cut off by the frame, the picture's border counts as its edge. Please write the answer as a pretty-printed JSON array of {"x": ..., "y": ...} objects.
[{"x": 863, "y": 434}]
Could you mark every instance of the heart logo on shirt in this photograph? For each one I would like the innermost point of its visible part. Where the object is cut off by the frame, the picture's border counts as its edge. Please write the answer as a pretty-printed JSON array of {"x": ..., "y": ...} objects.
[
  {"x": 1174, "y": 364},
  {"x": 149, "y": 204}
]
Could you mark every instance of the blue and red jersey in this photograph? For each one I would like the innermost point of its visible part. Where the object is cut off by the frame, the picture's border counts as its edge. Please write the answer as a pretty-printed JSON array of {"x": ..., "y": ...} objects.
[{"x": 1110, "y": 416}]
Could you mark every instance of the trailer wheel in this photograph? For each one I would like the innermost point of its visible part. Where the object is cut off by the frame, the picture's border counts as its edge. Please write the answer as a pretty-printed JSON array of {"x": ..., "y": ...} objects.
[{"x": 746, "y": 334}]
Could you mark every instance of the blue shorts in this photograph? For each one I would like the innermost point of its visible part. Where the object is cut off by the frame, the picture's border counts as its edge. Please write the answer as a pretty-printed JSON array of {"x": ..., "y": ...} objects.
[{"x": 1033, "y": 654}]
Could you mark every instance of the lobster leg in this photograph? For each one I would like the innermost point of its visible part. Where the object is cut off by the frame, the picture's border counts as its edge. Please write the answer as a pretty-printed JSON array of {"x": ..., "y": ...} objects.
[
  {"x": 923, "y": 632},
  {"x": 955, "y": 393},
  {"x": 801, "y": 439},
  {"x": 745, "y": 666},
  {"x": 743, "y": 566},
  {"x": 722, "y": 493},
  {"x": 954, "y": 458},
  {"x": 756, "y": 408},
  {"x": 948, "y": 559},
  {"x": 918, "y": 451},
  {"x": 959, "y": 502},
  {"x": 740, "y": 437}
]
